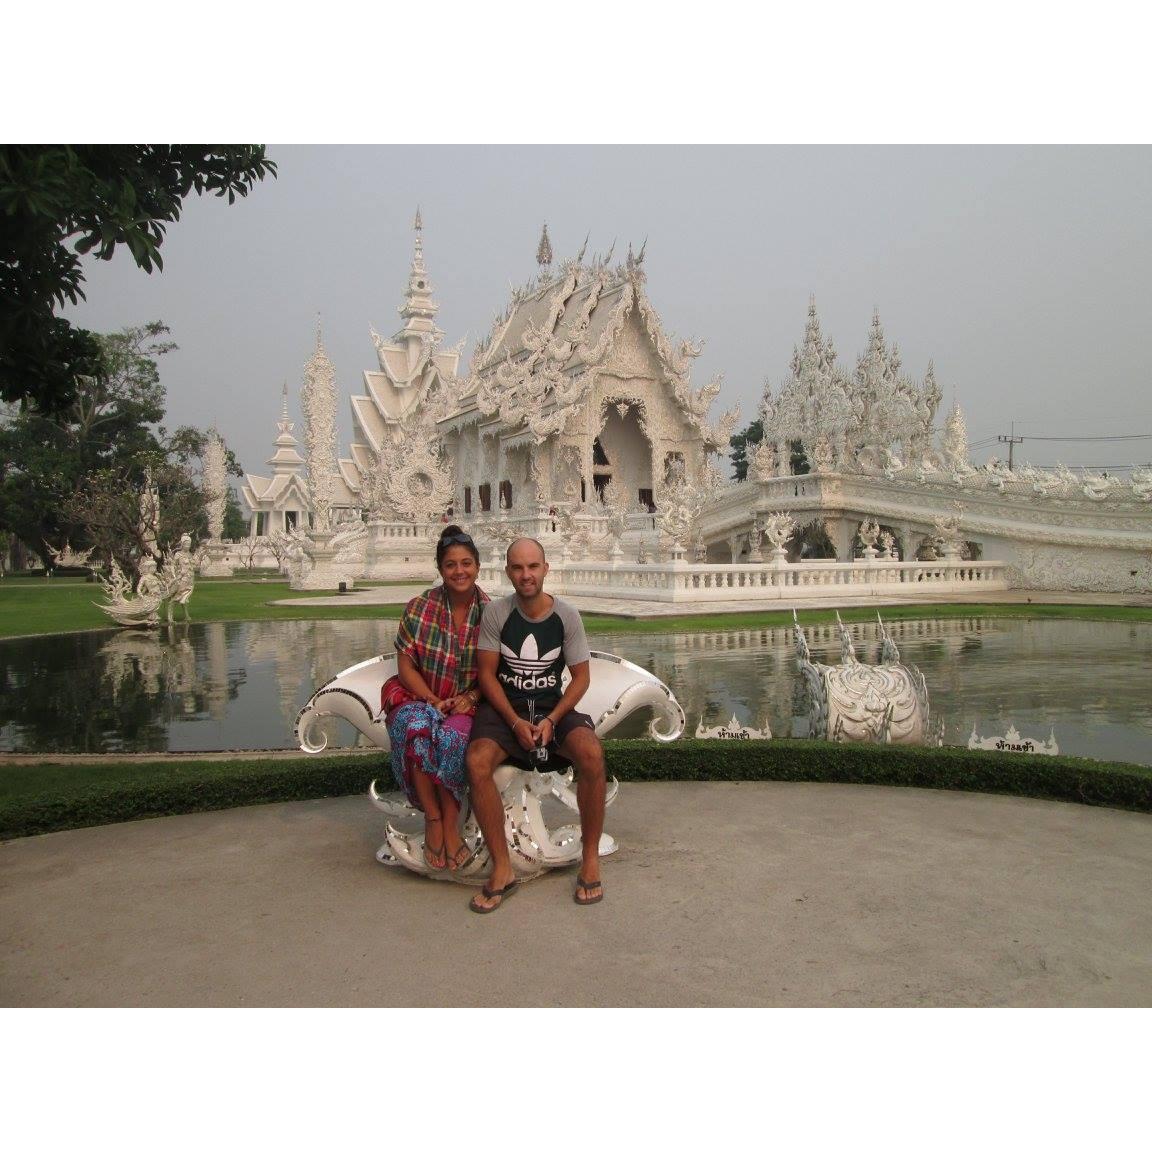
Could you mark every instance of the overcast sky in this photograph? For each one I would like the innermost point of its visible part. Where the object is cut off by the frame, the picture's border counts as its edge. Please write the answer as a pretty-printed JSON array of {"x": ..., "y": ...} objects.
[{"x": 1023, "y": 272}]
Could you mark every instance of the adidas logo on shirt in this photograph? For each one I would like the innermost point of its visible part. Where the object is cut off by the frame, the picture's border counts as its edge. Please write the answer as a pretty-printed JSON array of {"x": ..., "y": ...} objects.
[{"x": 529, "y": 670}]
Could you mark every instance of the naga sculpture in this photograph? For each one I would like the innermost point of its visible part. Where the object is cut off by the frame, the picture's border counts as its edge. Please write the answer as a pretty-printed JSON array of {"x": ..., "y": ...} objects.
[
  {"x": 617, "y": 689},
  {"x": 880, "y": 704}
]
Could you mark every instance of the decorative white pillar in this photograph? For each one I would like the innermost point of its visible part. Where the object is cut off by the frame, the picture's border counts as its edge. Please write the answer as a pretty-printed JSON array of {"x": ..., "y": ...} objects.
[
  {"x": 217, "y": 560},
  {"x": 318, "y": 404}
]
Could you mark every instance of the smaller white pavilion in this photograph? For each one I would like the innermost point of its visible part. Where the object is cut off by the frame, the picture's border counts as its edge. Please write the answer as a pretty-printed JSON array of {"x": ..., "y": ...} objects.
[{"x": 280, "y": 502}]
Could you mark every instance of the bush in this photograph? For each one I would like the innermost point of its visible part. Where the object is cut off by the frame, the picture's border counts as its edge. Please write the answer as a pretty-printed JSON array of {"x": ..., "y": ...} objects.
[{"x": 37, "y": 798}]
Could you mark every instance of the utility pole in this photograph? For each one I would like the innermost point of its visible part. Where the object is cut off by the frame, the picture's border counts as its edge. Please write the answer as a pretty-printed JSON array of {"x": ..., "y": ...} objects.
[{"x": 1011, "y": 440}]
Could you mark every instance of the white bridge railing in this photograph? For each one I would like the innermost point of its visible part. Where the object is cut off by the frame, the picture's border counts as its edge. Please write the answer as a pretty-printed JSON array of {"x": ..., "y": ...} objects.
[{"x": 684, "y": 582}]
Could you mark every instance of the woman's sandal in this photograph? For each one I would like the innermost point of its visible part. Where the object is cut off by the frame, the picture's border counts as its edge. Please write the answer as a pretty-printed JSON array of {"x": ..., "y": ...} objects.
[
  {"x": 460, "y": 858},
  {"x": 434, "y": 858}
]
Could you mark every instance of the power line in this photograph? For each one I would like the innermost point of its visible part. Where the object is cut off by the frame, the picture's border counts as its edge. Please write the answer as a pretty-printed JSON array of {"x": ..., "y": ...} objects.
[{"x": 1100, "y": 439}]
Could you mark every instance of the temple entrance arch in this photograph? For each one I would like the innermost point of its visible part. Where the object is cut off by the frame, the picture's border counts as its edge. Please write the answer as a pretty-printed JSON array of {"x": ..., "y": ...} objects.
[{"x": 622, "y": 452}]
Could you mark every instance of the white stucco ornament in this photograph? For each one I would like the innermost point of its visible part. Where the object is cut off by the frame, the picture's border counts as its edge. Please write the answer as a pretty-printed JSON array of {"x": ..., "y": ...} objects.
[
  {"x": 733, "y": 730},
  {"x": 853, "y": 702},
  {"x": 1012, "y": 741},
  {"x": 214, "y": 483},
  {"x": 318, "y": 404},
  {"x": 778, "y": 529},
  {"x": 66, "y": 558},
  {"x": 156, "y": 588}
]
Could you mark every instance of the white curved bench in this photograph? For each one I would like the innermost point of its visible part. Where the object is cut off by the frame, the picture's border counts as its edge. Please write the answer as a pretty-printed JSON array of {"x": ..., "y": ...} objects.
[{"x": 617, "y": 688}]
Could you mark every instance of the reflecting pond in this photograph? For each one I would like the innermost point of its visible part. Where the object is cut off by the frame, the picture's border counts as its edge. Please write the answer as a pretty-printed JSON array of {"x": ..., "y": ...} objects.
[{"x": 204, "y": 687}]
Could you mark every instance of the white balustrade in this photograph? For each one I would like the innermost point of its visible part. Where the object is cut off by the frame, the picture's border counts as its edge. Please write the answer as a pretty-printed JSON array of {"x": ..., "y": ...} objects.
[{"x": 750, "y": 583}]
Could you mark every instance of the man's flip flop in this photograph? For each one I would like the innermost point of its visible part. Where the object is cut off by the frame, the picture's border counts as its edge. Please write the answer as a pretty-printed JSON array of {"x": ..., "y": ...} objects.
[
  {"x": 583, "y": 885},
  {"x": 492, "y": 894}
]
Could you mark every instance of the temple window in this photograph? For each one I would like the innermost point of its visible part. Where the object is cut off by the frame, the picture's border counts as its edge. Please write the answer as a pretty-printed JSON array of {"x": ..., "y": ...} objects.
[
  {"x": 645, "y": 497},
  {"x": 598, "y": 454},
  {"x": 289, "y": 521},
  {"x": 467, "y": 499},
  {"x": 505, "y": 493},
  {"x": 485, "y": 494}
]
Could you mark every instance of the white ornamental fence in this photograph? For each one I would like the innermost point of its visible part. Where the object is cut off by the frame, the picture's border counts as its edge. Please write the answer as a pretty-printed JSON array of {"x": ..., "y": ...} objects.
[{"x": 810, "y": 579}]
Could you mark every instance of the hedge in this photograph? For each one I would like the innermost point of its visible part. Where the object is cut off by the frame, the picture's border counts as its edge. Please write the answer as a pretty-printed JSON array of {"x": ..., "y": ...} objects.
[{"x": 39, "y": 797}]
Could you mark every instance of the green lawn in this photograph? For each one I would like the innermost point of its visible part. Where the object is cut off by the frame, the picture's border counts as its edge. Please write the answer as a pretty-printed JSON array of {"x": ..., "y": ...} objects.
[
  {"x": 783, "y": 617},
  {"x": 34, "y": 607}
]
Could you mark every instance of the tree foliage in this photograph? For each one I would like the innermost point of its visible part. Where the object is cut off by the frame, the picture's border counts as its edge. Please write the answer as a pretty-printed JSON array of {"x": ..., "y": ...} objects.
[
  {"x": 76, "y": 477},
  {"x": 235, "y": 526},
  {"x": 747, "y": 439},
  {"x": 98, "y": 197},
  {"x": 741, "y": 443}
]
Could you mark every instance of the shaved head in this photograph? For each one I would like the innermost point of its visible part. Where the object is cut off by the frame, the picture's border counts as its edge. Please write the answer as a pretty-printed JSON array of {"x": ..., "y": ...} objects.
[{"x": 520, "y": 544}]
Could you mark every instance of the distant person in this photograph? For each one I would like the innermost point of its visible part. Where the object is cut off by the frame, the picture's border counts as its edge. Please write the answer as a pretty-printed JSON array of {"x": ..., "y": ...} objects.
[
  {"x": 525, "y": 642},
  {"x": 430, "y": 702}
]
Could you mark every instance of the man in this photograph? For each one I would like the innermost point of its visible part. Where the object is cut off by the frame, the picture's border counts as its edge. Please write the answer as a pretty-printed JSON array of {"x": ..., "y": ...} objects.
[{"x": 526, "y": 640}]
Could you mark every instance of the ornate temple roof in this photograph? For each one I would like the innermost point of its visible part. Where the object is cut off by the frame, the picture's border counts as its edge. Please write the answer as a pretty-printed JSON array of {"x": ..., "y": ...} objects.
[
  {"x": 558, "y": 333},
  {"x": 410, "y": 363},
  {"x": 264, "y": 492}
]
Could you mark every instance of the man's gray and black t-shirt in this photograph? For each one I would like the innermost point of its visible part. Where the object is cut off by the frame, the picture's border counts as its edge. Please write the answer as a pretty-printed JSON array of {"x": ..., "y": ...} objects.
[{"x": 533, "y": 653}]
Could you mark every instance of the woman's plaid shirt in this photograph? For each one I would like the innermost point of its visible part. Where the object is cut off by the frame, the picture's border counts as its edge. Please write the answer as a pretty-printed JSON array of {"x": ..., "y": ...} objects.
[{"x": 446, "y": 660}]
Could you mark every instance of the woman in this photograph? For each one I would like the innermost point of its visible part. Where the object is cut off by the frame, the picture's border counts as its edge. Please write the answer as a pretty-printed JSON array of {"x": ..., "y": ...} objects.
[{"x": 429, "y": 704}]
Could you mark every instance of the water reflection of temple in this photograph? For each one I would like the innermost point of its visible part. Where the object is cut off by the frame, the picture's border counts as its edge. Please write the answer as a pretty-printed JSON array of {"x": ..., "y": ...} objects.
[
  {"x": 303, "y": 654},
  {"x": 751, "y": 673},
  {"x": 240, "y": 684},
  {"x": 185, "y": 668}
]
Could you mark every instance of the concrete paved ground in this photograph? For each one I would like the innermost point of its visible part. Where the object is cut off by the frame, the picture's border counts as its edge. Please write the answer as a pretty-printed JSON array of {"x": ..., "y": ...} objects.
[{"x": 721, "y": 894}]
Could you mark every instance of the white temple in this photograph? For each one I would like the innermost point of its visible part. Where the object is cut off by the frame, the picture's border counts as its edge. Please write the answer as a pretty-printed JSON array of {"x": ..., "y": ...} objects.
[
  {"x": 575, "y": 388},
  {"x": 577, "y": 417}
]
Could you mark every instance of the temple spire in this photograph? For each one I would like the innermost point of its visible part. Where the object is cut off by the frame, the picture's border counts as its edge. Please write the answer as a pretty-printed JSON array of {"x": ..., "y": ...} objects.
[
  {"x": 418, "y": 308},
  {"x": 418, "y": 254},
  {"x": 285, "y": 458},
  {"x": 544, "y": 251}
]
